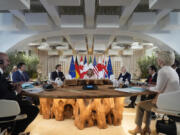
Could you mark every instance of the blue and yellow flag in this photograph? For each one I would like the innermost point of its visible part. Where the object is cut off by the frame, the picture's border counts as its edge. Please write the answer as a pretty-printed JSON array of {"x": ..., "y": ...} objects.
[
  {"x": 109, "y": 68},
  {"x": 72, "y": 71}
]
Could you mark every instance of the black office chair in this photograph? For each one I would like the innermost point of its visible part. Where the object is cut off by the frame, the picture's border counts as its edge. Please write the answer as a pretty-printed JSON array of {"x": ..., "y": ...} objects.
[{"x": 9, "y": 114}]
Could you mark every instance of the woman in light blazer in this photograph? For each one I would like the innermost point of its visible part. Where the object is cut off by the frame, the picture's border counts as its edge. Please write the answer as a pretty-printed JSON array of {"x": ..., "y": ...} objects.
[{"x": 167, "y": 81}]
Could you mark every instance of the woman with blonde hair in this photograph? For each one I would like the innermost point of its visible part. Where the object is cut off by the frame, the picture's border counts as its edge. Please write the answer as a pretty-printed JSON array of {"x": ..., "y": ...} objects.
[{"x": 167, "y": 81}]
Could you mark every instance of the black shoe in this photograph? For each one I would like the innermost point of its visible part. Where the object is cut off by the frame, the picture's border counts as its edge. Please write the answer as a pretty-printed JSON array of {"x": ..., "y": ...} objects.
[
  {"x": 153, "y": 116},
  {"x": 130, "y": 106}
]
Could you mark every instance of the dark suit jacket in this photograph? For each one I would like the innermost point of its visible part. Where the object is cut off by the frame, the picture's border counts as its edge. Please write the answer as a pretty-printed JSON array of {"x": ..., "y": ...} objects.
[
  {"x": 54, "y": 75},
  {"x": 126, "y": 76},
  {"x": 6, "y": 89},
  {"x": 178, "y": 71},
  {"x": 154, "y": 79},
  {"x": 18, "y": 77}
]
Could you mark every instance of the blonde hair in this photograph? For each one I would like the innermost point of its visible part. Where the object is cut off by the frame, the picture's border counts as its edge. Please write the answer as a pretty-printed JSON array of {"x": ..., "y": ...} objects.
[{"x": 167, "y": 57}]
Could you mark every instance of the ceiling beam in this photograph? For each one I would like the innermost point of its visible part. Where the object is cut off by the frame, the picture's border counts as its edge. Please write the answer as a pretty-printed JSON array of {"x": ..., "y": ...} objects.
[
  {"x": 128, "y": 11},
  {"x": 111, "y": 39},
  {"x": 19, "y": 14},
  {"x": 52, "y": 11},
  {"x": 68, "y": 38},
  {"x": 90, "y": 41},
  {"x": 162, "y": 13},
  {"x": 90, "y": 13}
]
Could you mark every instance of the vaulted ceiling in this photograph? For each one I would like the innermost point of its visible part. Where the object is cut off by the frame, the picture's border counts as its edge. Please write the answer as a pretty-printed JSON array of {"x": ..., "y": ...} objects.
[{"x": 90, "y": 17}]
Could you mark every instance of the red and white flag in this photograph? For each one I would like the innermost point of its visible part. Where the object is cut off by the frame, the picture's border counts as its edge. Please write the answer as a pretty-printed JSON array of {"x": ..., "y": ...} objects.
[{"x": 81, "y": 67}]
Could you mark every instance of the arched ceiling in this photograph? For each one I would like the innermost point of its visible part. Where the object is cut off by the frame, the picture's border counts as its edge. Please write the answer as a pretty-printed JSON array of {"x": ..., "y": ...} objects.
[{"x": 96, "y": 24}]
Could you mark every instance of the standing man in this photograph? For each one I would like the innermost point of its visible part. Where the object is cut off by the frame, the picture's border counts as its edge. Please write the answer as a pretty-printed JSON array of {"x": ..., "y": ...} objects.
[
  {"x": 10, "y": 92},
  {"x": 20, "y": 75},
  {"x": 57, "y": 73}
]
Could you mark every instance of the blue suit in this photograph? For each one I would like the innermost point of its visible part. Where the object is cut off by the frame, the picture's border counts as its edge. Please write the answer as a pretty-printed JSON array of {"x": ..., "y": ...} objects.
[{"x": 20, "y": 77}]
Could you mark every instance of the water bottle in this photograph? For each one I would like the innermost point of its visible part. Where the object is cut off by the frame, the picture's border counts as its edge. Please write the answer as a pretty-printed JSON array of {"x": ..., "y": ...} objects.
[{"x": 126, "y": 82}]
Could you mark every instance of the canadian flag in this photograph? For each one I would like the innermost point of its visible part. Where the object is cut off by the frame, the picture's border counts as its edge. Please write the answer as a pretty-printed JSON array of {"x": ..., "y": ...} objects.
[
  {"x": 83, "y": 67},
  {"x": 105, "y": 68},
  {"x": 102, "y": 69}
]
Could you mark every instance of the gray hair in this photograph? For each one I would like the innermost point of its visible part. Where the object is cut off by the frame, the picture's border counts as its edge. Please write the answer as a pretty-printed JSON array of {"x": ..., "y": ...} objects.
[{"x": 167, "y": 57}]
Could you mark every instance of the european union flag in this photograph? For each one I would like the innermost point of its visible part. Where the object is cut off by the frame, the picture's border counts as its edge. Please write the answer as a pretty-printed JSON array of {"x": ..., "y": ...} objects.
[
  {"x": 109, "y": 68},
  {"x": 72, "y": 70}
]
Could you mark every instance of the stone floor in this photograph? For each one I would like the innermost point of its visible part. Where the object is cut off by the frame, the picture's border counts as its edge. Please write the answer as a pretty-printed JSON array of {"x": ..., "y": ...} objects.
[{"x": 41, "y": 126}]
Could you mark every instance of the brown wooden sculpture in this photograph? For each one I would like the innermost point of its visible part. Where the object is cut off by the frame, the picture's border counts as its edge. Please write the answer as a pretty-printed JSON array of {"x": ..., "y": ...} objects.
[
  {"x": 63, "y": 108},
  {"x": 86, "y": 112},
  {"x": 45, "y": 107}
]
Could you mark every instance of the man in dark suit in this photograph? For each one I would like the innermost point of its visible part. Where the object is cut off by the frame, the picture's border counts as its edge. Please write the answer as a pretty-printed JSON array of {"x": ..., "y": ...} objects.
[
  {"x": 20, "y": 75},
  {"x": 152, "y": 78},
  {"x": 57, "y": 73},
  {"x": 13, "y": 92},
  {"x": 124, "y": 76},
  {"x": 176, "y": 67}
]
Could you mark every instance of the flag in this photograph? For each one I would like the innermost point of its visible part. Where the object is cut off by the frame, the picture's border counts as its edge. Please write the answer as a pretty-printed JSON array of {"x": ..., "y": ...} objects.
[
  {"x": 77, "y": 68},
  {"x": 100, "y": 69},
  {"x": 81, "y": 66},
  {"x": 72, "y": 71},
  {"x": 95, "y": 69},
  {"x": 85, "y": 60},
  {"x": 109, "y": 68},
  {"x": 105, "y": 71},
  {"x": 85, "y": 68},
  {"x": 90, "y": 63}
]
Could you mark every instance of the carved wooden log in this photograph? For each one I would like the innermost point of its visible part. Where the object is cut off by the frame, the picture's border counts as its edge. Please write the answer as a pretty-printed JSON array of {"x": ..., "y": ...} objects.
[
  {"x": 83, "y": 112},
  {"x": 45, "y": 107},
  {"x": 63, "y": 108},
  {"x": 86, "y": 112},
  {"x": 118, "y": 110}
]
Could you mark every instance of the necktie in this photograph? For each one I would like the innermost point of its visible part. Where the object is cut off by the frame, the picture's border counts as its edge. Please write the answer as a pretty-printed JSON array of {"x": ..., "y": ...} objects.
[
  {"x": 24, "y": 79},
  {"x": 150, "y": 79}
]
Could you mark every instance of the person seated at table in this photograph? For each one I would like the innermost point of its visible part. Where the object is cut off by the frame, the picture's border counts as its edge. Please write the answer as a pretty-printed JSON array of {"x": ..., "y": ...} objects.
[
  {"x": 151, "y": 80},
  {"x": 20, "y": 75},
  {"x": 90, "y": 74},
  {"x": 167, "y": 81},
  {"x": 124, "y": 77},
  {"x": 14, "y": 69},
  {"x": 12, "y": 92},
  {"x": 176, "y": 67},
  {"x": 57, "y": 73}
]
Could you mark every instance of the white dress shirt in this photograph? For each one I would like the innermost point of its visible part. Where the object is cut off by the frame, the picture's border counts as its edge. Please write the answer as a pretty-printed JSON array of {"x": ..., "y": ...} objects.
[
  {"x": 167, "y": 80},
  {"x": 1, "y": 71}
]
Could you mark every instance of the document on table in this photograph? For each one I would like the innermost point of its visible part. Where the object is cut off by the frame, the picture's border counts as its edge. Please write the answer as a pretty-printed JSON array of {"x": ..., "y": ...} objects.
[
  {"x": 131, "y": 89},
  {"x": 33, "y": 90}
]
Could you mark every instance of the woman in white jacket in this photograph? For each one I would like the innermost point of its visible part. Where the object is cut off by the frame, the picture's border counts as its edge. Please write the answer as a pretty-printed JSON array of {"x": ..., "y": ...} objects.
[{"x": 167, "y": 81}]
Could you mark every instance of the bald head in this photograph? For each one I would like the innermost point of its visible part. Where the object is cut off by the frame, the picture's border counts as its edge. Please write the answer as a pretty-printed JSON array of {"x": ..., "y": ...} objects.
[
  {"x": 123, "y": 69},
  {"x": 4, "y": 60}
]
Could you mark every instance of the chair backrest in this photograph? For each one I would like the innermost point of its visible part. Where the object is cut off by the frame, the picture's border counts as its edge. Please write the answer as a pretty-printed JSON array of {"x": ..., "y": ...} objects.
[
  {"x": 169, "y": 101},
  {"x": 49, "y": 76},
  {"x": 9, "y": 108}
]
